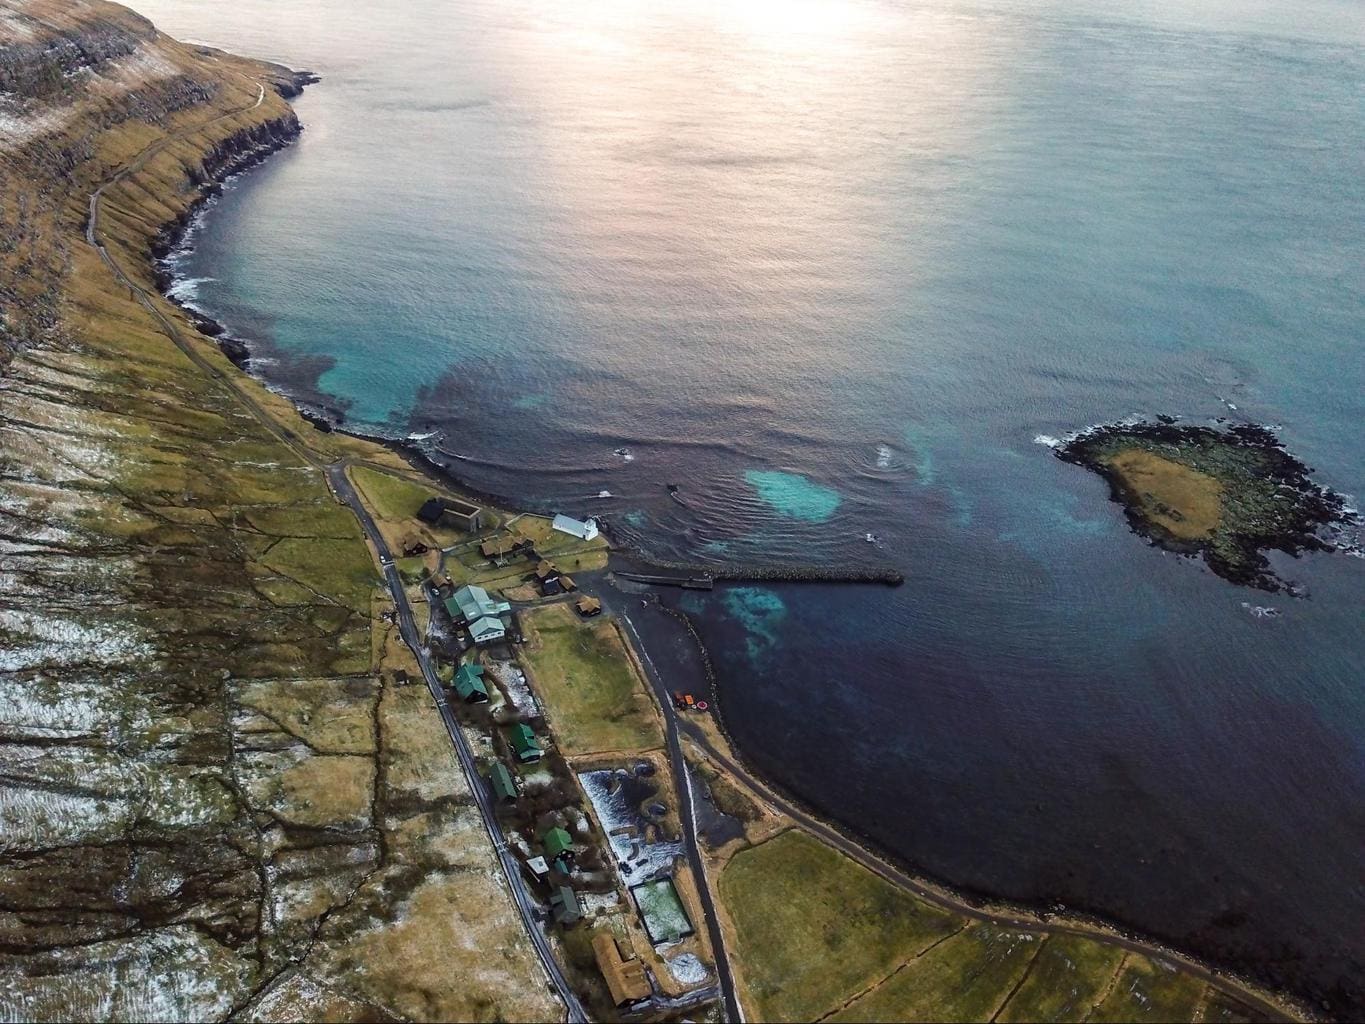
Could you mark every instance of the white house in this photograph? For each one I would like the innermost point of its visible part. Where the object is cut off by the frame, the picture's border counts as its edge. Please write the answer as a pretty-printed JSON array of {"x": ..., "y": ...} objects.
[
  {"x": 583, "y": 530},
  {"x": 486, "y": 630}
]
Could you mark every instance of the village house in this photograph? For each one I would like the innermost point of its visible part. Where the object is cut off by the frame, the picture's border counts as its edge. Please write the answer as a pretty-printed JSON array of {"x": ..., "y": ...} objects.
[
  {"x": 625, "y": 978},
  {"x": 559, "y": 848},
  {"x": 583, "y": 529},
  {"x": 588, "y": 606},
  {"x": 549, "y": 576},
  {"x": 504, "y": 548},
  {"x": 504, "y": 784},
  {"x": 564, "y": 904},
  {"x": 524, "y": 743},
  {"x": 480, "y": 614},
  {"x": 469, "y": 684},
  {"x": 451, "y": 512}
]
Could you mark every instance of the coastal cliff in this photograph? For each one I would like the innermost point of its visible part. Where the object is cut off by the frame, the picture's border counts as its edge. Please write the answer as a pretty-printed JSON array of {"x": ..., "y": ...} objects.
[{"x": 220, "y": 795}]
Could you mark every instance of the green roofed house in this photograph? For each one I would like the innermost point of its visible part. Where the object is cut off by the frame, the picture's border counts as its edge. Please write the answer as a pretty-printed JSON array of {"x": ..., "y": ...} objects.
[
  {"x": 470, "y": 604},
  {"x": 487, "y": 630},
  {"x": 524, "y": 743},
  {"x": 558, "y": 847},
  {"x": 469, "y": 684},
  {"x": 504, "y": 786},
  {"x": 564, "y": 902}
]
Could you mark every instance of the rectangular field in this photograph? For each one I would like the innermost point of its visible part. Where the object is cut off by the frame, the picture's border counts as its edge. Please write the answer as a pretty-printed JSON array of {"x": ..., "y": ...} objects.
[{"x": 593, "y": 696}]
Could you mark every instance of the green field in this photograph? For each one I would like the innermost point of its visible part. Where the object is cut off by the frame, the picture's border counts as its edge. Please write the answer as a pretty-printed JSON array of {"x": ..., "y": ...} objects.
[
  {"x": 964, "y": 978},
  {"x": 593, "y": 697},
  {"x": 389, "y": 496},
  {"x": 1149, "y": 990},
  {"x": 813, "y": 928},
  {"x": 1065, "y": 981},
  {"x": 818, "y": 936}
]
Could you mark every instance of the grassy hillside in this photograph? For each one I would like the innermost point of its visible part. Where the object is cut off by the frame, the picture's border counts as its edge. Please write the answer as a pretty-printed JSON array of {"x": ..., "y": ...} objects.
[{"x": 217, "y": 795}]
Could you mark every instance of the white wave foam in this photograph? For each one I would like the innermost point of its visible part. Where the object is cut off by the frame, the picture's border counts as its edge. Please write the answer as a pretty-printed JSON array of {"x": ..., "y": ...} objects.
[
  {"x": 186, "y": 289},
  {"x": 1049, "y": 440},
  {"x": 423, "y": 437},
  {"x": 624, "y": 454},
  {"x": 884, "y": 456}
]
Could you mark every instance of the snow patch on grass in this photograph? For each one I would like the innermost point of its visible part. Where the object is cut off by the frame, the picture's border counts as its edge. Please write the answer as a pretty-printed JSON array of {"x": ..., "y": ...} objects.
[{"x": 33, "y": 641}]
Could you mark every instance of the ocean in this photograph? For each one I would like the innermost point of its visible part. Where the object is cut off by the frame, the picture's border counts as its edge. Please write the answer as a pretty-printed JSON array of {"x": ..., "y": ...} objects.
[{"x": 834, "y": 269}]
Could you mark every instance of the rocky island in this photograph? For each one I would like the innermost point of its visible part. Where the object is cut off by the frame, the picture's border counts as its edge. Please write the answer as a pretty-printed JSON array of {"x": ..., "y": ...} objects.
[{"x": 1230, "y": 494}]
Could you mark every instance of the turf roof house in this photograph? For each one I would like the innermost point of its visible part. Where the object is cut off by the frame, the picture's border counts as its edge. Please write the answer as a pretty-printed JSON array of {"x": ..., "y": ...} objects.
[
  {"x": 479, "y": 613},
  {"x": 625, "y": 977}
]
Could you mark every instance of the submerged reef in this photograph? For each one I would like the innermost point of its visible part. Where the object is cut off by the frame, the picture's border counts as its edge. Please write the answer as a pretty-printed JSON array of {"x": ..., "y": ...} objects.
[{"x": 1230, "y": 494}]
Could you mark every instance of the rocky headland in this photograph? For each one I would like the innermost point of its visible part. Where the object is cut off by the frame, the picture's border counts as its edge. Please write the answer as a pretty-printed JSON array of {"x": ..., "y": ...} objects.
[{"x": 1230, "y": 494}]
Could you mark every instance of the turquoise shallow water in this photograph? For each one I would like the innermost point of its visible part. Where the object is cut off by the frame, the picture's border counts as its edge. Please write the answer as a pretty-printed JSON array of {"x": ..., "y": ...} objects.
[{"x": 832, "y": 268}]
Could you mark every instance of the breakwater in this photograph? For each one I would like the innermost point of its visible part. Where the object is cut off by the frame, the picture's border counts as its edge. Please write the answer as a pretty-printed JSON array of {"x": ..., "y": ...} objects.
[{"x": 681, "y": 574}]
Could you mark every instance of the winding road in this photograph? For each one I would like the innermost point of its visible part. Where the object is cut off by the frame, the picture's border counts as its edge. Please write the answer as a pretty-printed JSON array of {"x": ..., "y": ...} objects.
[
  {"x": 687, "y": 815},
  {"x": 341, "y": 486},
  {"x": 407, "y": 628},
  {"x": 336, "y": 475},
  {"x": 930, "y": 894}
]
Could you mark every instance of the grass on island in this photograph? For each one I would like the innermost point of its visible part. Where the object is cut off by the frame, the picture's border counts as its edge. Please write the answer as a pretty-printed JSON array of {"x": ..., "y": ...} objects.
[
  {"x": 1182, "y": 501},
  {"x": 568, "y": 552},
  {"x": 816, "y": 935},
  {"x": 593, "y": 696}
]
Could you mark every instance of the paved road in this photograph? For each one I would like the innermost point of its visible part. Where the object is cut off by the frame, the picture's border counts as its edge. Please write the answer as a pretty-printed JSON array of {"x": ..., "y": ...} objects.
[
  {"x": 407, "y": 628},
  {"x": 896, "y": 877},
  {"x": 336, "y": 475},
  {"x": 687, "y": 815}
]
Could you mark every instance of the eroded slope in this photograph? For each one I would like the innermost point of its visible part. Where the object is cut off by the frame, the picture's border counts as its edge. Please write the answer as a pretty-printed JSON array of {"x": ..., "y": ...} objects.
[{"x": 218, "y": 793}]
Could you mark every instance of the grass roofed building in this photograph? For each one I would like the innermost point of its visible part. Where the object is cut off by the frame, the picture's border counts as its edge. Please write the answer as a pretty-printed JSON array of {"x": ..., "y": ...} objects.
[{"x": 625, "y": 978}]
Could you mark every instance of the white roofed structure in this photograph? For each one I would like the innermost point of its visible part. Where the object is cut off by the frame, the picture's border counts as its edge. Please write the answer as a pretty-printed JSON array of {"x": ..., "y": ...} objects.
[{"x": 582, "y": 529}]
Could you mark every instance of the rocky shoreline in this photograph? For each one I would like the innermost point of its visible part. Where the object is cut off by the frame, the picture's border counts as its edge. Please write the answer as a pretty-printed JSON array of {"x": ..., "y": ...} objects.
[
  {"x": 1257, "y": 497},
  {"x": 238, "y": 153}
]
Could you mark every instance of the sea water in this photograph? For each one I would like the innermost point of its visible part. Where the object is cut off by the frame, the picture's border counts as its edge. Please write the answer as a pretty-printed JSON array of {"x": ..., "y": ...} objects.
[{"x": 830, "y": 267}]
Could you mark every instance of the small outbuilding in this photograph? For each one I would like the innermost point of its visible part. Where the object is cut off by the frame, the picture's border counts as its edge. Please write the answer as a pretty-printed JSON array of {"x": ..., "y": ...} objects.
[
  {"x": 503, "y": 783},
  {"x": 549, "y": 577},
  {"x": 588, "y": 606},
  {"x": 625, "y": 978},
  {"x": 583, "y": 529},
  {"x": 564, "y": 904},
  {"x": 469, "y": 684},
  {"x": 524, "y": 743}
]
